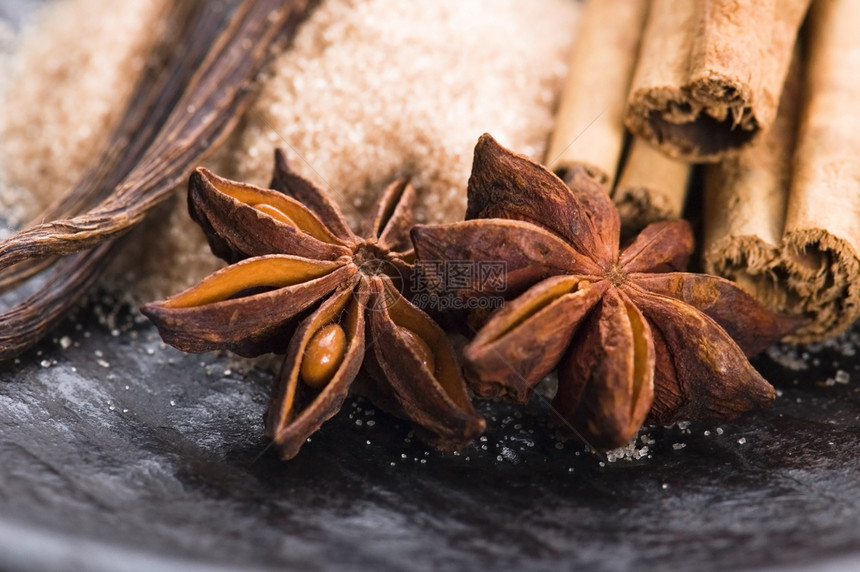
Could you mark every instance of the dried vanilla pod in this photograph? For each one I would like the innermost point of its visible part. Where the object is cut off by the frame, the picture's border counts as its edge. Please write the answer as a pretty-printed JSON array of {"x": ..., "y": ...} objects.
[
  {"x": 303, "y": 282},
  {"x": 174, "y": 119},
  {"x": 632, "y": 335}
]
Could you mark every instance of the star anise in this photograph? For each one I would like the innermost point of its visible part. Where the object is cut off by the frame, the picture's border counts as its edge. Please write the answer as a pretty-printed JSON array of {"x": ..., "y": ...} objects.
[
  {"x": 631, "y": 335},
  {"x": 302, "y": 282}
]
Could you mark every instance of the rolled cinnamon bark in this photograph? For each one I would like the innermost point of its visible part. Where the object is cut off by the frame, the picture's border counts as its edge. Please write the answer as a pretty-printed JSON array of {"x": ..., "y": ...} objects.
[
  {"x": 745, "y": 201},
  {"x": 710, "y": 73},
  {"x": 589, "y": 128},
  {"x": 652, "y": 186},
  {"x": 822, "y": 223},
  {"x": 804, "y": 261}
]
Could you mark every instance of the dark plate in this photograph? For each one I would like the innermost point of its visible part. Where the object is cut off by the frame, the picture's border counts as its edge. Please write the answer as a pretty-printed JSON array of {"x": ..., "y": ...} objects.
[{"x": 120, "y": 453}]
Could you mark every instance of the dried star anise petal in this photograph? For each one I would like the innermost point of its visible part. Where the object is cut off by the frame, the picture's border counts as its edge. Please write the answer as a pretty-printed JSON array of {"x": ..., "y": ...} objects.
[
  {"x": 631, "y": 335},
  {"x": 302, "y": 281}
]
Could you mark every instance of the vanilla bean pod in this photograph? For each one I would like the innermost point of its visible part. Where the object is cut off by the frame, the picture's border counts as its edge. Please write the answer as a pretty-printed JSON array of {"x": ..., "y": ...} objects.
[
  {"x": 192, "y": 110},
  {"x": 158, "y": 89}
]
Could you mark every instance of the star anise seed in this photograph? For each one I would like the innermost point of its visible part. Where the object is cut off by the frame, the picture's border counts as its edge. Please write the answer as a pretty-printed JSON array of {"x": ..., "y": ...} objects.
[
  {"x": 632, "y": 336},
  {"x": 301, "y": 281}
]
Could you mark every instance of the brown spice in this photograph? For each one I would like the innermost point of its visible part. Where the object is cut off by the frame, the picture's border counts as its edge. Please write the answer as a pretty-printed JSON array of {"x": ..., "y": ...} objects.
[
  {"x": 710, "y": 73},
  {"x": 300, "y": 273},
  {"x": 632, "y": 335},
  {"x": 589, "y": 124},
  {"x": 651, "y": 186},
  {"x": 782, "y": 217}
]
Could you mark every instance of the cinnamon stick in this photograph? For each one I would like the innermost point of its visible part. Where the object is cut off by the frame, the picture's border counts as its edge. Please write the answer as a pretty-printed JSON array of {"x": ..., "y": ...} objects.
[
  {"x": 745, "y": 202},
  {"x": 822, "y": 234},
  {"x": 589, "y": 128},
  {"x": 652, "y": 186},
  {"x": 710, "y": 72},
  {"x": 798, "y": 249}
]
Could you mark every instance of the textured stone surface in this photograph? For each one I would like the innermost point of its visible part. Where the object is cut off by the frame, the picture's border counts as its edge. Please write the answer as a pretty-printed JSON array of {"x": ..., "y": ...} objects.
[{"x": 119, "y": 453}]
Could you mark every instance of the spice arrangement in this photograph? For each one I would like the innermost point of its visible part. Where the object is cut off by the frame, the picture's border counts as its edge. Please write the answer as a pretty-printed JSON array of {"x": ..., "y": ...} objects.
[
  {"x": 632, "y": 336},
  {"x": 713, "y": 82}
]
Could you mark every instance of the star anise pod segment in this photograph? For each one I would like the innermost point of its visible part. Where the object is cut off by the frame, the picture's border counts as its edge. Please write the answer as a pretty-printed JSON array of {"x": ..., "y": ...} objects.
[
  {"x": 302, "y": 282},
  {"x": 631, "y": 335}
]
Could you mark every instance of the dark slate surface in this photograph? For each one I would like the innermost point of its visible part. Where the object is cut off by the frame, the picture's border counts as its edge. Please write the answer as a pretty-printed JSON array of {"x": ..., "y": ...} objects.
[{"x": 118, "y": 453}]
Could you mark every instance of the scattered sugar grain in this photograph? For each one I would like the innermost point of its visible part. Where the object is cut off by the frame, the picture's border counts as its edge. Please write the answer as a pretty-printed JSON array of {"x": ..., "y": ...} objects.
[
  {"x": 787, "y": 356},
  {"x": 629, "y": 452}
]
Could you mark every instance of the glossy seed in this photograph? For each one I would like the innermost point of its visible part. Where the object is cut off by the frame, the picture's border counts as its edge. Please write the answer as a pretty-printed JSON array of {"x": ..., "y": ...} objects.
[
  {"x": 420, "y": 347},
  {"x": 323, "y": 355},
  {"x": 275, "y": 213}
]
